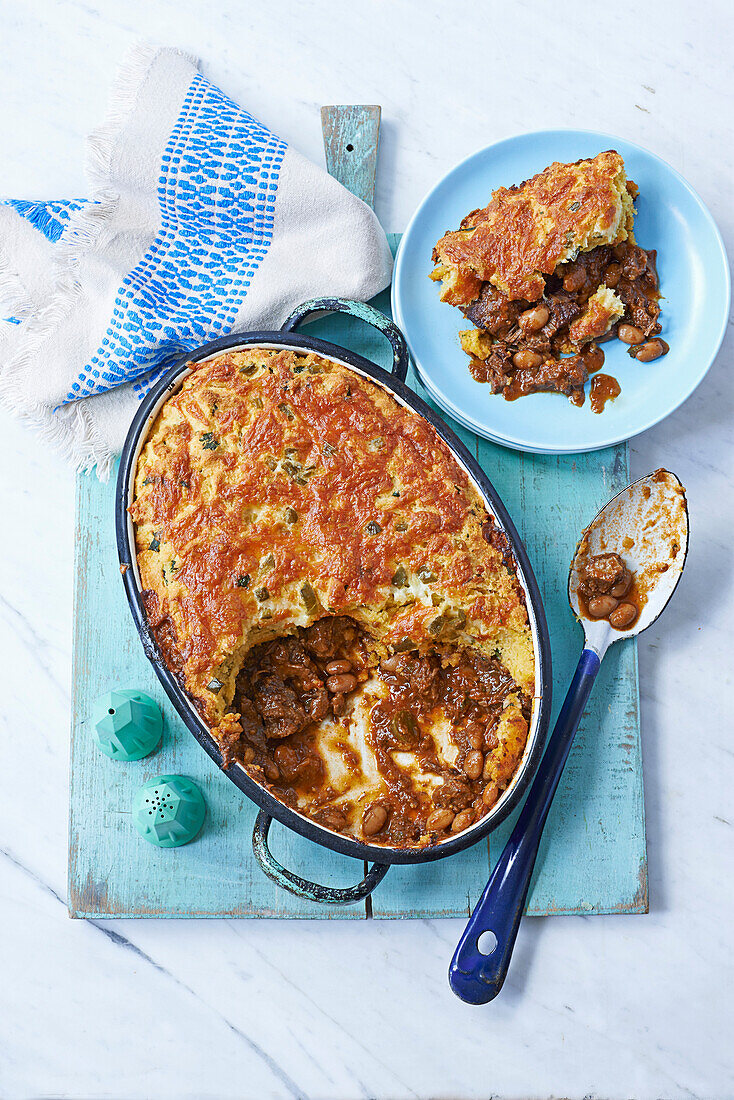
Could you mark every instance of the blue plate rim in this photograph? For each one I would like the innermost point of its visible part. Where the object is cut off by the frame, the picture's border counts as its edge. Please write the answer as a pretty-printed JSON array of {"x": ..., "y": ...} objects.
[{"x": 526, "y": 445}]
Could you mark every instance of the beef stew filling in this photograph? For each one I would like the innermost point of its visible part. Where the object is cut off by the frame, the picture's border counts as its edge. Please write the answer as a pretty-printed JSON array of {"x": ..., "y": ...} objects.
[
  {"x": 607, "y": 591},
  {"x": 534, "y": 344},
  {"x": 401, "y": 751}
]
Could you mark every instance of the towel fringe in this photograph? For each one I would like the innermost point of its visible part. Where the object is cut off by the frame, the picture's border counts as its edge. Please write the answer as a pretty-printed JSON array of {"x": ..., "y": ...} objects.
[
  {"x": 85, "y": 225},
  {"x": 102, "y": 142},
  {"x": 70, "y": 430},
  {"x": 13, "y": 293}
]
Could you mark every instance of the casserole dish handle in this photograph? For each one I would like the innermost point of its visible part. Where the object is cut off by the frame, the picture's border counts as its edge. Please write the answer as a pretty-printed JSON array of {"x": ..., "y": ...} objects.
[
  {"x": 364, "y": 312},
  {"x": 302, "y": 887}
]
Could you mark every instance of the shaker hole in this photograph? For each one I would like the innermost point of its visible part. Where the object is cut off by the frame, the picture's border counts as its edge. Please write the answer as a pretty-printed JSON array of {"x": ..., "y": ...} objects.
[{"x": 350, "y": 148}]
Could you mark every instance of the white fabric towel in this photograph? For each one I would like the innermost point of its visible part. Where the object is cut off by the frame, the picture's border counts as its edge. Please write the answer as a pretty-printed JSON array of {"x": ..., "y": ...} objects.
[{"x": 201, "y": 222}]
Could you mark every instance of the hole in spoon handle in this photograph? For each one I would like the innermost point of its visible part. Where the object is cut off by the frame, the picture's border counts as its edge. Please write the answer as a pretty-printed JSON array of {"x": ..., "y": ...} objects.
[{"x": 487, "y": 943}]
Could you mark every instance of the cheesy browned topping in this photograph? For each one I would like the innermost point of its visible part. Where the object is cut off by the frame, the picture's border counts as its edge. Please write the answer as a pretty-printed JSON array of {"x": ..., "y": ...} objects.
[
  {"x": 527, "y": 230},
  {"x": 276, "y": 488}
]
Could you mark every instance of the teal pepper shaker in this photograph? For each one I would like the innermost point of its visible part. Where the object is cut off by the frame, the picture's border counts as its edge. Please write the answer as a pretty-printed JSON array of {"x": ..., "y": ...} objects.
[
  {"x": 126, "y": 724},
  {"x": 169, "y": 810}
]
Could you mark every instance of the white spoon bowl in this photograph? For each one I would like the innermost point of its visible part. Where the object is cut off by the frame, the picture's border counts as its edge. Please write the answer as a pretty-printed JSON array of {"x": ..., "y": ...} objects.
[{"x": 647, "y": 525}]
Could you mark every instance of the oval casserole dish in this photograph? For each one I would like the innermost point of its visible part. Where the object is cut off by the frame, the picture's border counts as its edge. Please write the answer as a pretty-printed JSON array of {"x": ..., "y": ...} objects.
[{"x": 274, "y": 480}]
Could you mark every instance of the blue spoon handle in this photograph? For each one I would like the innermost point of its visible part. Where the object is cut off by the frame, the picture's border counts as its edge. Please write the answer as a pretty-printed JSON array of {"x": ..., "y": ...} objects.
[{"x": 475, "y": 976}]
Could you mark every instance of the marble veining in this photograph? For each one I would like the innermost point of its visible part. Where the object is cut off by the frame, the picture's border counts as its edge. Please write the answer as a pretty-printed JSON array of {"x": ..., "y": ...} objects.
[{"x": 594, "y": 1007}]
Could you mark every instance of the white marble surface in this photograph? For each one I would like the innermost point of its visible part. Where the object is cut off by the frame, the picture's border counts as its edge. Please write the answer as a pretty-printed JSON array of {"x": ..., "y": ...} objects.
[{"x": 604, "y": 1006}]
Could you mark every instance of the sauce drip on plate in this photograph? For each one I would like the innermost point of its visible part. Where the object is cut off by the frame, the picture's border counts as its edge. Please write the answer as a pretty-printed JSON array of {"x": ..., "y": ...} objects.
[{"x": 603, "y": 388}]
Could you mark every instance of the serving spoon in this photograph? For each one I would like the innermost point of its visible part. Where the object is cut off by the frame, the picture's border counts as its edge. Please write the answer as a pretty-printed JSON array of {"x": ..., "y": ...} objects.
[{"x": 647, "y": 525}]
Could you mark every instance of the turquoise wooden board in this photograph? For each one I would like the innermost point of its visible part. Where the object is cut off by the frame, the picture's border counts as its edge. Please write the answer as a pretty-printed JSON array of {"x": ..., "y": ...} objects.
[
  {"x": 351, "y": 137},
  {"x": 593, "y": 858}
]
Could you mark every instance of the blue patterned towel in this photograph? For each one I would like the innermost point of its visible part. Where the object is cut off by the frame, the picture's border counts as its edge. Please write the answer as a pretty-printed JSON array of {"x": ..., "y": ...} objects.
[{"x": 201, "y": 223}]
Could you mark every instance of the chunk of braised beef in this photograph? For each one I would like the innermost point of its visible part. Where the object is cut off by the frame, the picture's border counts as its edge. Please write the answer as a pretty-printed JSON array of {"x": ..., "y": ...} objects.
[
  {"x": 249, "y": 718},
  {"x": 632, "y": 258},
  {"x": 327, "y": 637},
  {"x": 423, "y": 675},
  {"x": 600, "y": 573},
  {"x": 563, "y": 309},
  {"x": 279, "y": 707},
  {"x": 452, "y": 794},
  {"x": 640, "y": 297},
  {"x": 317, "y": 704},
  {"x": 290, "y": 660},
  {"x": 495, "y": 369},
  {"x": 582, "y": 276},
  {"x": 494, "y": 312},
  {"x": 564, "y": 375}
]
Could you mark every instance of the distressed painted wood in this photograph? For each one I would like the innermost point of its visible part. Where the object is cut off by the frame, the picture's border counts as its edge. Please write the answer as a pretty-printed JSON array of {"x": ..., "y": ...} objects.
[
  {"x": 593, "y": 858},
  {"x": 351, "y": 135}
]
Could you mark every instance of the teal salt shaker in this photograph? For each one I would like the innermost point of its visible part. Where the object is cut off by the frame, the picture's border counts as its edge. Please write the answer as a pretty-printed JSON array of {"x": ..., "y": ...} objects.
[
  {"x": 169, "y": 810},
  {"x": 126, "y": 724}
]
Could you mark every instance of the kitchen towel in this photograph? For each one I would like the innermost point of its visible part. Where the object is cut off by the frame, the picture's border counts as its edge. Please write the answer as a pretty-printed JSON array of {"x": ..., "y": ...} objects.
[{"x": 201, "y": 222}]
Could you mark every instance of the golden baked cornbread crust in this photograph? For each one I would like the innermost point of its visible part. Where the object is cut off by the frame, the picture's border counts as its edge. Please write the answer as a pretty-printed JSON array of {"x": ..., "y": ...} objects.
[
  {"x": 527, "y": 230},
  {"x": 277, "y": 488}
]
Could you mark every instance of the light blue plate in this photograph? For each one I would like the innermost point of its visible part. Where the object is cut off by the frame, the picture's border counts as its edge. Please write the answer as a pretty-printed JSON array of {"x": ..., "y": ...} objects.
[{"x": 694, "y": 282}]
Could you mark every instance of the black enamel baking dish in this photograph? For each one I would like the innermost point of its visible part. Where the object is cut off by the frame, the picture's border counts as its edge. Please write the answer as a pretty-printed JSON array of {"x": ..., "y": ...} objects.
[{"x": 270, "y": 807}]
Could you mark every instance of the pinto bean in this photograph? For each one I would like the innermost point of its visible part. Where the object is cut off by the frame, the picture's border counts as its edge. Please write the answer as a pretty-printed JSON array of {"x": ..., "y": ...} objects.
[
  {"x": 630, "y": 334},
  {"x": 601, "y": 606},
  {"x": 532, "y": 320},
  {"x": 475, "y": 736},
  {"x": 612, "y": 275},
  {"x": 525, "y": 359},
  {"x": 373, "y": 819},
  {"x": 574, "y": 280},
  {"x": 622, "y": 587},
  {"x": 490, "y": 794},
  {"x": 336, "y": 667},
  {"x": 462, "y": 821},
  {"x": 439, "y": 820},
  {"x": 248, "y": 754},
  {"x": 391, "y": 664},
  {"x": 332, "y": 817},
  {"x": 651, "y": 349},
  {"x": 341, "y": 684},
  {"x": 623, "y": 616},
  {"x": 473, "y": 764}
]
